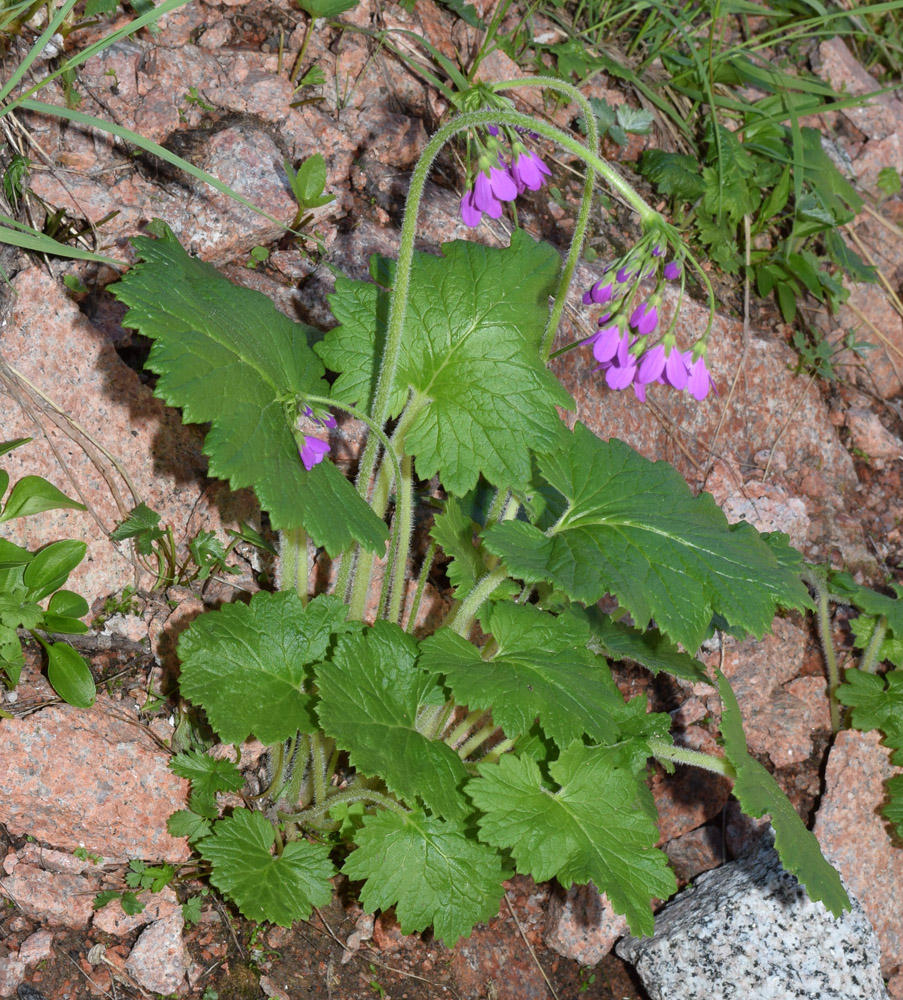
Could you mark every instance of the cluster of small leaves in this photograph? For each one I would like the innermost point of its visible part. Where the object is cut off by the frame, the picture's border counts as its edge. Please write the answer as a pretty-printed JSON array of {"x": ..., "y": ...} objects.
[
  {"x": 156, "y": 547},
  {"x": 782, "y": 181},
  {"x": 27, "y": 578},
  {"x": 545, "y": 775},
  {"x": 619, "y": 123}
]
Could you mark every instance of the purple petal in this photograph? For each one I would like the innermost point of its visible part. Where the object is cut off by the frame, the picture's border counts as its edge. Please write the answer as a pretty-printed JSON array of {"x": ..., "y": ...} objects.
[
  {"x": 313, "y": 452},
  {"x": 529, "y": 170},
  {"x": 644, "y": 318},
  {"x": 651, "y": 365},
  {"x": 699, "y": 381},
  {"x": 672, "y": 270},
  {"x": 639, "y": 391},
  {"x": 483, "y": 197},
  {"x": 502, "y": 183},
  {"x": 624, "y": 275},
  {"x": 620, "y": 376},
  {"x": 675, "y": 373},
  {"x": 470, "y": 214},
  {"x": 657, "y": 250},
  {"x": 606, "y": 343}
]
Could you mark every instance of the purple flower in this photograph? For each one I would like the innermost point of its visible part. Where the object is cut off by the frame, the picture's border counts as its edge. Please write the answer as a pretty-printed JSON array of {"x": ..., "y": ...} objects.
[
  {"x": 624, "y": 275},
  {"x": 528, "y": 171},
  {"x": 651, "y": 365},
  {"x": 599, "y": 294},
  {"x": 491, "y": 189},
  {"x": 657, "y": 250},
  {"x": 699, "y": 380},
  {"x": 313, "y": 452},
  {"x": 470, "y": 214},
  {"x": 606, "y": 343},
  {"x": 675, "y": 373},
  {"x": 327, "y": 421},
  {"x": 644, "y": 318},
  {"x": 672, "y": 270}
]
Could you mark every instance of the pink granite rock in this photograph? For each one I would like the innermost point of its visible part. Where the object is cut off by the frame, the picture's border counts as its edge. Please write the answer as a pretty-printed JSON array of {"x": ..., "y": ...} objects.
[
  {"x": 871, "y": 437},
  {"x": 55, "y": 899},
  {"x": 853, "y": 834},
  {"x": 159, "y": 959},
  {"x": 87, "y": 778},
  {"x": 582, "y": 925},
  {"x": 12, "y": 974},
  {"x": 36, "y": 947},
  {"x": 879, "y": 117},
  {"x": 58, "y": 350},
  {"x": 111, "y": 919},
  {"x": 696, "y": 851}
]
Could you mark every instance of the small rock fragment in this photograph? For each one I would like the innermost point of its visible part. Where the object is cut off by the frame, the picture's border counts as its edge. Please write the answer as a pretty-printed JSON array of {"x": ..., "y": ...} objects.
[
  {"x": 582, "y": 924},
  {"x": 159, "y": 959},
  {"x": 57, "y": 900}
]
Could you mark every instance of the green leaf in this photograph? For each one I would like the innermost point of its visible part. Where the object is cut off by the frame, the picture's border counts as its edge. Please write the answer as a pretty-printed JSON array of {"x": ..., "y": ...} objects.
[
  {"x": 633, "y": 529},
  {"x": 327, "y": 8},
  {"x": 473, "y": 327},
  {"x": 248, "y": 664},
  {"x": 191, "y": 910},
  {"x": 186, "y": 823},
  {"x": 4, "y": 482},
  {"x": 17, "y": 612},
  {"x": 429, "y": 870},
  {"x": 12, "y": 556},
  {"x": 51, "y": 567},
  {"x": 455, "y": 532},
  {"x": 675, "y": 175},
  {"x": 63, "y": 624},
  {"x": 309, "y": 181},
  {"x": 227, "y": 356},
  {"x": 131, "y": 904},
  {"x": 7, "y": 446},
  {"x": 877, "y": 703},
  {"x": 847, "y": 258},
  {"x": 891, "y": 649},
  {"x": 207, "y": 776},
  {"x": 370, "y": 691},
  {"x": 33, "y": 495},
  {"x": 93, "y": 8},
  {"x": 68, "y": 604},
  {"x": 142, "y": 524},
  {"x": 542, "y": 668},
  {"x": 598, "y": 825},
  {"x": 889, "y": 181},
  {"x": 12, "y": 659},
  {"x": 466, "y": 11},
  {"x": 758, "y": 793},
  {"x": 70, "y": 675},
  {"x": 637, "y": 121},
  {"x": 279, "y": 889},
  {"x": 652, "y": 649},
  {"x": 870, "y": 601},
  {"x": 104, "y": 897}
]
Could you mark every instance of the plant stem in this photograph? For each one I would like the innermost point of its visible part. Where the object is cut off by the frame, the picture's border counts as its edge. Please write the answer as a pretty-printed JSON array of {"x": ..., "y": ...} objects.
[
  {"x": 350, "y": 795},
  {"x": 404, "y": 519},
  {"x": 318, "y": 766},
  {"x": 496, "y": 753},
  {"x": 868, "y": 662},
  {"x": 299, "y": 61},
  {"x": 293, "y": 570},
  {"x": 586, "y": 203},
  {"x": 463, "y": 621},
  {"x": 477, "y": 740},
  {"x": 421, "y": 585},
  {"x": 464, "y": 726},
  {"x": 432, "y": 720},
  {"x": 823, "y": 621},
  {"x": 695, "y": 758}
]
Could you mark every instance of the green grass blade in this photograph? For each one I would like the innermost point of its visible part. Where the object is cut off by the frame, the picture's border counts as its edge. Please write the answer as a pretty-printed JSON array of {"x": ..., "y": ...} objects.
[
  {"x": 147, "y": 146},
  {"x": 34, "y": 52},
  {"x": 140, "y": 22},
  {"x": 41, "y": 243}
]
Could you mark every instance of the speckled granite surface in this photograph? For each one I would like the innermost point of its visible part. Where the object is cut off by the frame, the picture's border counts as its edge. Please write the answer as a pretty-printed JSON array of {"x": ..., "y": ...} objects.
[{"x": 748, "y": 930}]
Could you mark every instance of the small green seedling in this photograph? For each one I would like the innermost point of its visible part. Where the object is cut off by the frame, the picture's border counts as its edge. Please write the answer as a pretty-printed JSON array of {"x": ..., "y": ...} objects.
[
  {"x": 308, "y": 183},
  {"x": 258, "y": 255}
]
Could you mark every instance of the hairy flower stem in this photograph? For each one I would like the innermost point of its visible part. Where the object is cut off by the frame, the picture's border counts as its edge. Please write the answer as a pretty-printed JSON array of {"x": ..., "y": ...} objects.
[
  {"x": 431, "y": 721},
  {"x": 498, "y": 751},
  {"x": 477, "y": 740},
  {"x": 870, "y": 659},
  {"x": 293, "y": 570},
  {"x": 823, "y": 621},
  {"x": 292, "y": 790},
  {"x": 464, "y": 726},
  {"x": 463, "y": 620},
  {"x": 388, "y": 369},
  {"x": 681, "y": 755},
  {"x": 586, "y": 202},
  {"x": 321, "y": 750},
  {"x": 351, "y": 795},
  {"x": 421, "y": 585},
  {"x": 404, "y": 519}
]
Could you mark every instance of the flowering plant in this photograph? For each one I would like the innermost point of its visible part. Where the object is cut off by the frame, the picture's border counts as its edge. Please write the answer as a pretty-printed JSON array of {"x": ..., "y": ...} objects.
[{"x": 498, "y": 741}]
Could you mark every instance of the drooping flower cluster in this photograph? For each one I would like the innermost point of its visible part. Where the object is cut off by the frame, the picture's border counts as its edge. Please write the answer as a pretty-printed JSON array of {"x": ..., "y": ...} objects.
[
  {"x": 499, "y": 179},
  {"x": 315, "y": 448},
  {"x": 622, "y": 345}
]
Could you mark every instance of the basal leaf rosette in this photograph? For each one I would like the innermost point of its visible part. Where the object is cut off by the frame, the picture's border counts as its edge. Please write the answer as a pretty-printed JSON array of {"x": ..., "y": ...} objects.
[
  {"x": 470, "y": 357},
  {"x": 279, "y": 888},
  {"x": 595, "y": 821},
  {"x": 229, "y": 358},
  {"x": 429, "y": 870},
  {"x": 634, "y": 529},
  {"x": 249, "y": 665}
]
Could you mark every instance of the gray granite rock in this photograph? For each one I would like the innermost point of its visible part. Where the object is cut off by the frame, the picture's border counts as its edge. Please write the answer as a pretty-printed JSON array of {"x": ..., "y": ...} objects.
[{"x": 748, "y": 929}]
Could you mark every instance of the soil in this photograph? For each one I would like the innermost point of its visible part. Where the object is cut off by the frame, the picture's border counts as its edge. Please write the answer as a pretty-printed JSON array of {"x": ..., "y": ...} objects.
[{"x": 234, "y": 959}]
